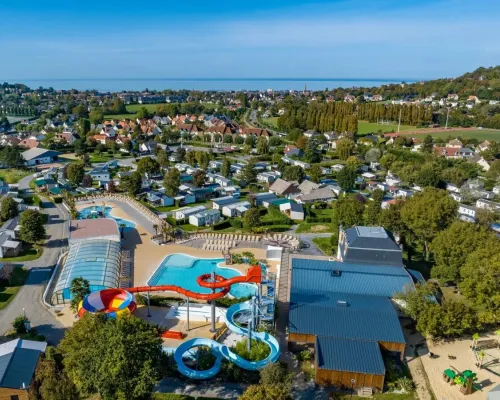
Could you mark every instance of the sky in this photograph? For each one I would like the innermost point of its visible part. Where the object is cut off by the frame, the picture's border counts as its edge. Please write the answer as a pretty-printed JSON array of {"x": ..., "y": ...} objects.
[{"x": 419, "y": 39}]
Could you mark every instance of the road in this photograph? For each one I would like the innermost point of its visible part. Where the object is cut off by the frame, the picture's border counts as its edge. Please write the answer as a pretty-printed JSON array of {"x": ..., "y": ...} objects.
[{"x": 29, "y": 296}]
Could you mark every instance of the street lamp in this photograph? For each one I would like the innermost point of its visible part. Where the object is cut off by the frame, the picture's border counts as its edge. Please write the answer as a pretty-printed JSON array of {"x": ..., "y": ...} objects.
[{"x": 353, "y": 381}]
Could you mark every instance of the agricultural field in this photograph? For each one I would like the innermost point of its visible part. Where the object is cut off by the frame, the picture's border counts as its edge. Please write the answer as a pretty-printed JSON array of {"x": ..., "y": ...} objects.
[{"x": 365, "y": 128}]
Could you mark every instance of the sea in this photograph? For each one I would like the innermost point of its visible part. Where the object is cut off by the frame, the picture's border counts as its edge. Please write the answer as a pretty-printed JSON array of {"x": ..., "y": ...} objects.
[{"x": 203, "y": 84}]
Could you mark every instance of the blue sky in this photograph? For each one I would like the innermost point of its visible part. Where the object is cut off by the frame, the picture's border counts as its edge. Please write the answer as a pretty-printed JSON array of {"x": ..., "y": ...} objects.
[{"x": 259, "y": 38}]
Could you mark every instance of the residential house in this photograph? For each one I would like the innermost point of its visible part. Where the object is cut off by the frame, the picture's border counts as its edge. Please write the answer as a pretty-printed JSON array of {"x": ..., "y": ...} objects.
[
  {"x": 291, "y": 150},
  {"x": 284, "y": 188},
  {"x": 310, "y": 133},
  {"x": 159, "y": 199},
  {"x": 322, "y": 194},
  {"x": 148, "y": 147},
  {"x": 220, "y": 202},
  {"x": 299, "y": 163},
  {"x": 205, "y": 218},
  {"x": 487, "y": 205},
  {"x": 467, "y": 213},
  {"x": 295, "y": 211},
  {"x": 184, "y": 213},
  {"x": 307, "y": 186},
  {"x": 476, "y": 158},
  {"x": 100, "y": 174},
  {"x": 19, "y": 359},
  {"x": 484, "y": 145},
  {"x": 184, "y": 198},
  {"x": 29, "y": 143},
  {"x": 236, "y": 209},
  {"x": 261, "y": 197},
  {"x": 36, "y": 156}
]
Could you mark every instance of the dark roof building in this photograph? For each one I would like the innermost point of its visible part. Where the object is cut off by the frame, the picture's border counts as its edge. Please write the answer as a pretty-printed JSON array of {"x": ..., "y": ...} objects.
[
  {"x": 345, "y": 311},
  {"x": 370, "y": 245},
  {"x": 18, "y": 361}
]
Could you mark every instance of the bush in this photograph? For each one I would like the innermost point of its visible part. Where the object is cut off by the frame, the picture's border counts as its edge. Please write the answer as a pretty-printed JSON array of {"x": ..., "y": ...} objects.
[
  {"x": 58, "y": 199},
  {"x": 318, "y": 219},
  {"x": 19, "y": 324},
  {"x": 227, "y": 302},
  {"x": 221, "y": 225},
  {"x": 236, "y": 223}
]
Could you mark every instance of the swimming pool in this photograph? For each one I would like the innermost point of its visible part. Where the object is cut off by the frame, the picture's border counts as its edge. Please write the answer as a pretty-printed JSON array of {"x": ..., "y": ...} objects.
[
  {"x": 90, "y": 212},
  {"x": 182, "y": 270}
]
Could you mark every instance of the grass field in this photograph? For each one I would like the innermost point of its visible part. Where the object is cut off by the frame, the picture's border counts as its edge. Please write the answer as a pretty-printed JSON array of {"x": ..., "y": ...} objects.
[
  {"x": 7, "y": 293},
  {"x": 273, "y": 121},
  {"x": 325, "y": 245},
  {"x": 365, "y": 128},
  {"x": 13, "y": 175},
  {"x": 479, "y": 134},
  {"x": 28, "y": 253}
]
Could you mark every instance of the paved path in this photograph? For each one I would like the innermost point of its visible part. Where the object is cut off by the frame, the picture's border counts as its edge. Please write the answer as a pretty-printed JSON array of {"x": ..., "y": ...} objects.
[{"x": 29, "y": 298}]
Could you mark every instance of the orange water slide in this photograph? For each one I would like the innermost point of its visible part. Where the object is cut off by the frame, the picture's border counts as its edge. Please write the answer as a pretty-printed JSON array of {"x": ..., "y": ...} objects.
[{"x": 254, "y": 275}]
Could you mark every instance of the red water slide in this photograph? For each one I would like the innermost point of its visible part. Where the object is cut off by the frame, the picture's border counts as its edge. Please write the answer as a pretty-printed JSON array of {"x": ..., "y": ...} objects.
[{"x": 254, "y": 275}]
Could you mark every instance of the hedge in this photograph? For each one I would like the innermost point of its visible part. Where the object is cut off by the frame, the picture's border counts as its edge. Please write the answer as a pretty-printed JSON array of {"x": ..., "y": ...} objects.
[
  {"x": 58, "y": 199},
  {"x": 221, "y": 225},
  {"x": 236, "y": 223}
]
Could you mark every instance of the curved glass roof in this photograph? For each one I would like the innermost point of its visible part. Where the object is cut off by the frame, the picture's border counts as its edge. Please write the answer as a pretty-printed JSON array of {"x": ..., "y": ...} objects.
[{"x": 96, "y": 260}]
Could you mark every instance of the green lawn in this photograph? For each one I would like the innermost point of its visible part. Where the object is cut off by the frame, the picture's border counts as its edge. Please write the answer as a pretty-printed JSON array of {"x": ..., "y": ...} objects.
[
  {"x": 12, "y": 175},
  {"x": 479, "y": 134},
  {"x": 103, "y": 157},
  {"x": 324, "y": 245},
  {"x": 120, "y": 116},
  {"x": 272, "y": 121},
  {"x": 28, "y": 253},
  {"x": 7, "y": 293},
  {"x": 133, "y": 108}
]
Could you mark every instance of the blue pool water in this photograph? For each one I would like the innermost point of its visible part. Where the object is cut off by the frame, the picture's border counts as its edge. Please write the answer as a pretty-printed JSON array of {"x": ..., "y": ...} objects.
[
  {"x": 89, "y": 212},
  {"x": 182, "y": 270}
]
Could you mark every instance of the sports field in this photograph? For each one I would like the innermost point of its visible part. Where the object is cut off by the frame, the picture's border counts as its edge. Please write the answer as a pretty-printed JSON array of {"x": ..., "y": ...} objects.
[{"x": 365, "y": 128}]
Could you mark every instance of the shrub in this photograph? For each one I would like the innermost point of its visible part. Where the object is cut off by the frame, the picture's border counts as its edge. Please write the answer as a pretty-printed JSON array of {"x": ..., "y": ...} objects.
[
  {"x": 227, "y": 302},
  {"x": 236, "y": 223},
  {"x": 221, "y": 225},
  {"x": 58, "y": 199},
  {"x": 19, "y": 324},
  {"x": 318, "y": 219}
]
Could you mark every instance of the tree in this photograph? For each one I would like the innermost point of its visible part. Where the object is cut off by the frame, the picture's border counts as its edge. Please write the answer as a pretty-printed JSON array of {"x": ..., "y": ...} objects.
[
  {"x": 250, "y": 140},
  {"x": 80, "y": 288},
  {"x": 267, "y": 392},
  {"x": 148, "y": 165},
  {"x": 171, "y": 182},
  {"x": 143, "y": 113},
  {"x": 275, "y": 374},
  {"x": 199, "y": 178},
  {"x": 111, "y": 186},
  {"x": 494, "y": 171},
  {"x": 52, "y": 383},
  {"x": 84, "y": 127},
  {"x": 191, "y": 158},
  {"x": 294, "y": 173},
  {"x": 127, "y": 145},
  {"x": 75, "y": 172},
  {"x": 348, "y": 211},
  {"x": 248, "y": 172},
  {"x": 96, "y": 117},
  {"x": 372, "y": 212},
  {"x": 225, "y": 169},
  {"x": 32, "y": 229},
  {"x": 251, "y": 219},
  {"x": 427, "y": 213},
  {"x": 451, "y": 246},
  {"x": 133, "y": 183},
  {"x": 428, "y": 144},
  {"x": 346, "y": 178},
  {"x": 485, "y": 217},
  {"x": 311, "y": 155},
  {"x": 345, "y": 148},
  {"x": 8, "y": 209},
  {"x": 87, "y": 181},
  {"x": 301, "y": 143},
  {"x": 315, "y": 173},
  {"x": 128, "y": 349},
  {"x": 262, "y": 145},
  {"x": 202, "y": 159},
  {"x": 162, "y": 157},
  {"x": 429, "y": 175},
  {"x": 373, "y": 155}
]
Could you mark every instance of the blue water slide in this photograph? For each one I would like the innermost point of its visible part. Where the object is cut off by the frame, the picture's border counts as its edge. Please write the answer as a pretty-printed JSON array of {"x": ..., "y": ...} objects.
[{"x": 220, "y": 350}]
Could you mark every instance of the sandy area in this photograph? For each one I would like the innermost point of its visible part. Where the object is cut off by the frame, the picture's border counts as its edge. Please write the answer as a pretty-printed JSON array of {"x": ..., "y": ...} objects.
[{"x": 461, "y": 349}]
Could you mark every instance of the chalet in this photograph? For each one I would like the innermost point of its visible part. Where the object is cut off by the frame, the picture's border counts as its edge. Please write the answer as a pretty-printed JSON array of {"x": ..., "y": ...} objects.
[
  {"x": 281, "y": 187},
  {"x": 205, "y": 218},
  {"x": 236, "y": 209},
  {"x": 466, "y": 213},
  {"x": 325, "y": 194},
  {"x": 185, "y": 212}
]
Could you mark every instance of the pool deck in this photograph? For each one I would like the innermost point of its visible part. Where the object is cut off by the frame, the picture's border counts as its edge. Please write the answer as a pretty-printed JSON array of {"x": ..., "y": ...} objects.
[{"x": 148, "y": 255}]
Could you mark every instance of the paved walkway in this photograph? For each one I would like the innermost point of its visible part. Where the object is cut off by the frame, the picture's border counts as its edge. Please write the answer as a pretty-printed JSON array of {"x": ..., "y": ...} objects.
[
  {"x": 29, "y": 301},
  {"x": 283, "y": 302}
]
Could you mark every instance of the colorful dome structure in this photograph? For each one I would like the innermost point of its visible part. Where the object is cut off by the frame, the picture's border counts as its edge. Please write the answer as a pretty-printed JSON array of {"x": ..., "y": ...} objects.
[{"x": 115, "y": 303}]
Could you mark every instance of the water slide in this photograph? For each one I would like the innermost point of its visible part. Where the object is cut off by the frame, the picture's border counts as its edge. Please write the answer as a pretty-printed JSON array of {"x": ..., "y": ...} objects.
[
  {"x": 254, "y": 275},
  {"x": 221, "y": 351}
]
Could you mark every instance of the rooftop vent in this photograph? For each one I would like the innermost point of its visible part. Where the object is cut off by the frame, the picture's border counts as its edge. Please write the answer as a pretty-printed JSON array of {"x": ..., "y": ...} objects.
[
  {"x": 342, "y": 303},
  {"x": 335, "y": 272}
]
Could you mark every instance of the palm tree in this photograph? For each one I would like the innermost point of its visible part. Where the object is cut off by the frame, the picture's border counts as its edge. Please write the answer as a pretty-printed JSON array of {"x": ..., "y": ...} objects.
[
  {"x": 155, "y": 227},
  {"x": 79, "y": 289}
]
